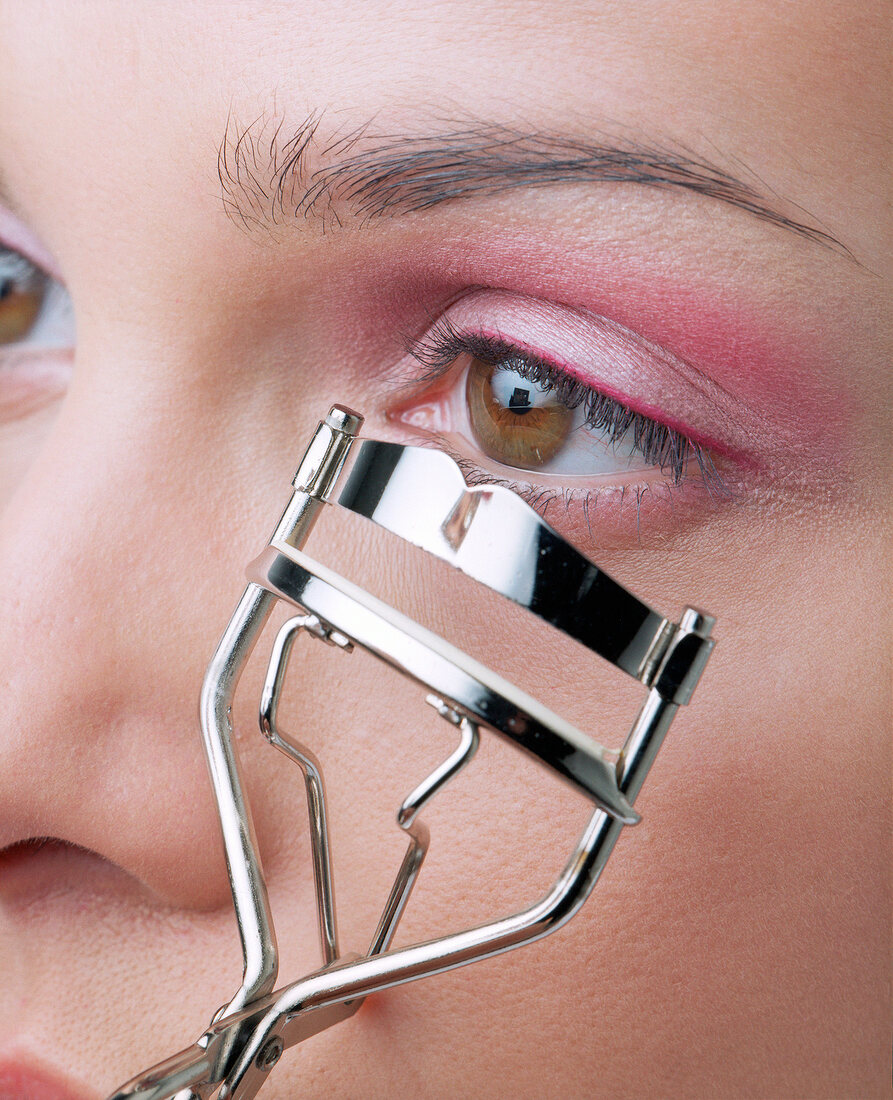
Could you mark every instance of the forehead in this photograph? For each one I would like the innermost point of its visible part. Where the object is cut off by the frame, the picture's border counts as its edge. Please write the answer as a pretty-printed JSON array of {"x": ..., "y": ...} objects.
[
  {"x": 165, "y": 76},
  {"x": 118, "y": 160}
]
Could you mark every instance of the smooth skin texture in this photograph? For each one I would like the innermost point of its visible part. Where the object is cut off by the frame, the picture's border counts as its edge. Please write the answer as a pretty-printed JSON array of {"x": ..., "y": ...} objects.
[{"x": 738, "y": 943}]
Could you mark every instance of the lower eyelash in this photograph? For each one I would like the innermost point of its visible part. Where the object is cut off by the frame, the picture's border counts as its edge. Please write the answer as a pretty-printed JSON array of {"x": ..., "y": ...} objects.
[
  {"x": 660, "y": 445},
  {"x": 541, "y": 499}
]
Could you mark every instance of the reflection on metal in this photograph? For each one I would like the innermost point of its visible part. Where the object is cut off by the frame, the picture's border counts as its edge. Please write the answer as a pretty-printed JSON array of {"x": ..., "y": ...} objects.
[{"x": 493, "y": 536}]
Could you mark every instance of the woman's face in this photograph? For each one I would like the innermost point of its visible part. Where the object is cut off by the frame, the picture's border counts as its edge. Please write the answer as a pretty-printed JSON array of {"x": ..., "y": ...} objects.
[{"x": 256, "y": 209}]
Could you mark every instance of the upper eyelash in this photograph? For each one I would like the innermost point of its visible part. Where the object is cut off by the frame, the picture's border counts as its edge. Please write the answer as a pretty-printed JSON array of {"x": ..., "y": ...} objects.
[
  {"x": 18, "y": 264},
  {"x": 659, "y": 444}
]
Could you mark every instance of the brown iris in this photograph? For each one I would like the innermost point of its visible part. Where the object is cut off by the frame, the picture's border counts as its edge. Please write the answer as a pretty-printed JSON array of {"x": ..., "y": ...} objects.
[
  {"x": 516, "y": 421},
  {"x": 22, "y": 290}
]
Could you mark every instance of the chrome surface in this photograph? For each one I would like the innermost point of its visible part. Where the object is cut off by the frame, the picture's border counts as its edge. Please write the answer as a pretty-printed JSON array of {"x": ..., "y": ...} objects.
[
  {"x": 464, "y": 683},
  {"x": 493, "y": 536},
  {"x": 449, "y": 769},
  {"x": 407, "y": 819},
  {"x": 323, "y": 459},
  {"x": 311, "y": 770},
  {"x": 260, "y": 956},
  {"x": 490, "y": 534}
]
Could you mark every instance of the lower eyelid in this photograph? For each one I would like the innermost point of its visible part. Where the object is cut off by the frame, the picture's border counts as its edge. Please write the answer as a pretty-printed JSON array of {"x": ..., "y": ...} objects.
[
  {"x": 608, "y": 517},
  {"x": 29, "y": 382},
  {"x": 534, "y": 481}
]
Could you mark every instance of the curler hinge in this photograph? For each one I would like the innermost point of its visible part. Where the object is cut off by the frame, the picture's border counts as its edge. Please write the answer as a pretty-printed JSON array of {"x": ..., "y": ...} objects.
[{"x": 686, "y": 655}]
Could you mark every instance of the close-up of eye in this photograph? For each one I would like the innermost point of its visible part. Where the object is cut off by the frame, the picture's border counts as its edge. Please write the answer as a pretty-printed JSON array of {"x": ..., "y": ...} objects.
[
  {"x": 517, "y": 416},
  {"x": 525, "y": 414}
]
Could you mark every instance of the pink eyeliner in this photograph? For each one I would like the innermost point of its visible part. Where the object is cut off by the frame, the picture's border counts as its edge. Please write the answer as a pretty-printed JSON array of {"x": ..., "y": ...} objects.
[
  {"x": 637, "y": 405},
  {"x": 764, "y": 364}
]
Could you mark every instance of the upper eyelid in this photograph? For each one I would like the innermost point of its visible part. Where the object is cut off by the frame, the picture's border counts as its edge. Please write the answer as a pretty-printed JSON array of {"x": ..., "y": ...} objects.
[
  {"x": 444, "y": 343},
  {"x": 443, "y": 337},
  {"x": 612, "y": 357},
  {"x": 16, "y": 237}
]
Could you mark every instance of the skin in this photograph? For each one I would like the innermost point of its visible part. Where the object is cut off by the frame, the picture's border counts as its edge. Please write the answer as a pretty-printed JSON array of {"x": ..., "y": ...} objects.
[{"x": 738, "y": 942}]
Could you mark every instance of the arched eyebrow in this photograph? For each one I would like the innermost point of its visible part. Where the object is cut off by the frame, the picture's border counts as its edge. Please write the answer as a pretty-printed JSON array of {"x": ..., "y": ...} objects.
[{"x": 360, "y": 176}]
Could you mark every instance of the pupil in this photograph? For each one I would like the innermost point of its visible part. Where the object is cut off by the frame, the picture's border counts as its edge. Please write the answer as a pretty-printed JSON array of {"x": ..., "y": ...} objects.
[
  {"x": 520, "y": 401},
  {"x": 516, "y": 421},
  {"x": 6, "y": 288}
]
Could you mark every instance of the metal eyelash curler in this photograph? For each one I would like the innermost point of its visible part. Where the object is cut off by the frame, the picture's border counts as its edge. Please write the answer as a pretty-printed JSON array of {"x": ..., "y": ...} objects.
[{"x": 493, "y": 536}]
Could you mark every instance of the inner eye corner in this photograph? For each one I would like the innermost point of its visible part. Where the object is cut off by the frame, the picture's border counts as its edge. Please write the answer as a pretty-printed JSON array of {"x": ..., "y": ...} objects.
[{"x": 486, "y": 393}]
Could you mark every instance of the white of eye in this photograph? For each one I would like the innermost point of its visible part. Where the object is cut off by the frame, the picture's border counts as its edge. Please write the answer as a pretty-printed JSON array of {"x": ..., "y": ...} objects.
[{"x": 54, "y": 326}]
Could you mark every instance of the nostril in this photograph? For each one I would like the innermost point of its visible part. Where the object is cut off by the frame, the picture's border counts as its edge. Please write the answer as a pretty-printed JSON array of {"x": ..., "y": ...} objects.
[
  {"x": 23, "y": 852},
  {"x": 47, "y": 867},
  {"x": 43, "y": 866},
  {"x": 38, "y": 846}
]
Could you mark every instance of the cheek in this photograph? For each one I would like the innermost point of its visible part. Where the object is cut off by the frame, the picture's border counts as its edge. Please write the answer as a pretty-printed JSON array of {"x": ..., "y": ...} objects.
[
  {"x": 745, "y": 907},
  {"x": 128, "y": 523}
]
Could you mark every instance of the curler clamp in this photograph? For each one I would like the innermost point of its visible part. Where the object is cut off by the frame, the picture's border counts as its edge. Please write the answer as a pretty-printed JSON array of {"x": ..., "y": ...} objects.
[{"x": 494, "y": 537}]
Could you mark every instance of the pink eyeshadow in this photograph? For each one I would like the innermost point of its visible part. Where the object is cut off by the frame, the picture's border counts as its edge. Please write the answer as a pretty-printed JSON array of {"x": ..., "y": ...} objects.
[
  {"x": 634, "y": 403},
  {"x": 779, "y": 372}
]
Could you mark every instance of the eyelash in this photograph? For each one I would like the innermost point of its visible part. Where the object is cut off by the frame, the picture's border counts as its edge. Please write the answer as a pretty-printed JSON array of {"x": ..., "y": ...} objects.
[
  {"x": 18, "y": 264},
  {"x": 660, "y": 445}
]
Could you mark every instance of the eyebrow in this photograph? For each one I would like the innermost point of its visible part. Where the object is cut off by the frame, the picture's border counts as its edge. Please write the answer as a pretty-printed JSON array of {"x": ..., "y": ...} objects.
[{"x": 267, "y": 181}]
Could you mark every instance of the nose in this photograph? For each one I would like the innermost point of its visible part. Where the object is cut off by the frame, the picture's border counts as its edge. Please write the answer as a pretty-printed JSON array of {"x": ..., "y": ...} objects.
[{"x": 107, "y": 614}]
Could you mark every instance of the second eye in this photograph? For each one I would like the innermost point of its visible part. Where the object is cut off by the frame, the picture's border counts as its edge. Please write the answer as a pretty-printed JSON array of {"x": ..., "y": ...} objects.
[{"x": 35, "y": 309}]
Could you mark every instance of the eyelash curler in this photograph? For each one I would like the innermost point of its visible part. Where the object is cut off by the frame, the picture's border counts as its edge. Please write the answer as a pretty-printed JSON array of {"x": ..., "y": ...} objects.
[{"x": 493, "y": 536}]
